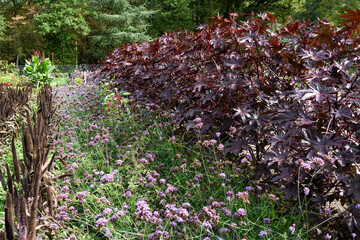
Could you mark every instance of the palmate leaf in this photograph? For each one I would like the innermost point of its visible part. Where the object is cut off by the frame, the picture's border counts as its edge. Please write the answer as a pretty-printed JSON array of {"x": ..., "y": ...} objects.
[
  {"x": 318, "y": 91},
  {"x": 315, "y": 55},
  {"x": 271, "y": 18},
  {"x": 352, "y": 218},
  {"x": 351, "y": 17},
  {"x": 278, "y": 155},
  {"x": 325, "y": 35},
  {"x": 291, "y": 27},
  {"x": 234, "y": 61},
  {"x": 237, "y": 147},
  {"x": 323, "y": 144},
  {"x": 342, "y": 112}
]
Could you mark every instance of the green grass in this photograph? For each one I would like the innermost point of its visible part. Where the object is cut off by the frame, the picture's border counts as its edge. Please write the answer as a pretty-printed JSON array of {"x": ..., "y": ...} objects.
[{"x": 129, "y": 143}]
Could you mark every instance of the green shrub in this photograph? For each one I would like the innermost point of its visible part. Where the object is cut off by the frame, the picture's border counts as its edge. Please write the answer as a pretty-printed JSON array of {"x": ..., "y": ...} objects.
[
  {"x": 7, "y": 67},
  {"x": 39, "y": 69}
]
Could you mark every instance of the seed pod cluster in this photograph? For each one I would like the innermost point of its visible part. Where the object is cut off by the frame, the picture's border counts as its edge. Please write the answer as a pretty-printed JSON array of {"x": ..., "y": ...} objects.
[{"x": 28, "y": 188}]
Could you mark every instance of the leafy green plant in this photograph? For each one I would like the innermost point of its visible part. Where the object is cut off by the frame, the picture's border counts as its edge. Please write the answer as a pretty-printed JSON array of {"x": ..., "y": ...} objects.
[
  {"x": 7, "y": 67},
  {"x": 39, "y": 69},
  {"x": 112, "y": 100}
]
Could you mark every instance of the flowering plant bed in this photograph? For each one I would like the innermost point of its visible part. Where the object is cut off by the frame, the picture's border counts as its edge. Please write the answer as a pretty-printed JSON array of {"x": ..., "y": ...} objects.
[
  {"x": 287, "y": 96},
  {"x": 237, "y": 131}
]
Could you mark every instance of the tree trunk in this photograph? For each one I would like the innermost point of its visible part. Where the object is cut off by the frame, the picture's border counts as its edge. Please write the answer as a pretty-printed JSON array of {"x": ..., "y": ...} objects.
[
  {"x": 77, "y": 54},
  {"x": 17, "y": 61}
]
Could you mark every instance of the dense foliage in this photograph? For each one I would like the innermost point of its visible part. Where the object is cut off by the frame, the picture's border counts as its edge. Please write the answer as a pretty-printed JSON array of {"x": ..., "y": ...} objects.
[
  {"x": 2, "y": 24},
  {"x": 39, "y": 69},
  {"x": 84, "y": 31},
  {"x": 289, "y": 97},
  {"x": 244, "y": 129},
  {"x": 120, "y": 22},
  {"x": 310, "y": 10}
]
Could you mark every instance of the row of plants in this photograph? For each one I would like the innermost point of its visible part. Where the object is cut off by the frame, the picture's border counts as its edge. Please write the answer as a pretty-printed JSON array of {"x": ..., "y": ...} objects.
[
  {"x": 26, "y": 152},
  {"x": 238, "y": 131},
  {"x": 121, "y": 172},
  {"x": 12, "y": 103},
  {"x": 287, "y": 97},
  {"x": 127, "y": 175},
  {"x": 28, "y": 194}
]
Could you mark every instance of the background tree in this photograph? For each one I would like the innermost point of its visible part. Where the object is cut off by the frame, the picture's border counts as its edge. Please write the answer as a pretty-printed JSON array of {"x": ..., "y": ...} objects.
[
  {"x": 63, "y": 25},
  {"x": 310, "y": 10},
  {"x": 20, "y": 36},
  {"x": 117, "y": 22},
  {"x": 173, "y": 14},
  {"x": 2, "y": 30},
  {"x": 82, "y": 31},
  {"x": 282, "y": 9},
  {"x": 330, "y": 9},
  {"x": 2, "y": 25},
  {"x": 170, "y": 15}
]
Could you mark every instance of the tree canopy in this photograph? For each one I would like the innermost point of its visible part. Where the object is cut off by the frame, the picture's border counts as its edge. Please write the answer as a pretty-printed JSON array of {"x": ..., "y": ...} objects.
[
  {"x": 62, "y": 23},
  {"x": 83, "y": 31},
  {"x": 2, "y": 24},
  {"x": 118, "y": 22}
]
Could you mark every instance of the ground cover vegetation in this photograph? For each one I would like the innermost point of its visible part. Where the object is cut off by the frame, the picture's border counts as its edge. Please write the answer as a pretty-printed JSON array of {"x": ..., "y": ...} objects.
[
  {"x": 114, "y": 169},
  {"x": 241, "y": 130},
  {"x": 8, "y": 74}
]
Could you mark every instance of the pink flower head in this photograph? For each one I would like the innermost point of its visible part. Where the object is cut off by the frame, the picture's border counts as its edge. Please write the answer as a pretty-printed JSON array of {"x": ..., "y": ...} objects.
[
  {"x": 328, "y": 236},
  {"x": 318, "y": 161},
  {"x": 212, "y": 142},
  {"x": 197, "y": 120},
  {"x": 262, "y": 233},
  {"x": 107, "y": 178},
  {"x": 241, "y": 212},
  {"x": 232, "y": 129},
  {"x": 292, "y": 229},
  {"x": 220, "y": 147},
  {"x": 306, "y": 191},
  {"x": 199, "y": 125}
]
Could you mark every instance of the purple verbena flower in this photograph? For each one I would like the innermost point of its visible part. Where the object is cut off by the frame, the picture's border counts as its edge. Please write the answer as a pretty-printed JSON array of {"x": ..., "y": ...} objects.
[
  {"x": 102, "y": 222},
  {"x": 328, "y": 236},
  {"x": 224, "y": 230},
  {"x": 107, "y": 211},
  {"x": 107, "y": 178},
  {"x": 262, "y": 233},
  {"x": 241, "y": 212},
  {"x": 292, "y": 229},
  {"x": 306, "y": 191},
  {"x": 220, "y": 147}
]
